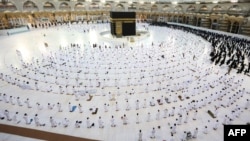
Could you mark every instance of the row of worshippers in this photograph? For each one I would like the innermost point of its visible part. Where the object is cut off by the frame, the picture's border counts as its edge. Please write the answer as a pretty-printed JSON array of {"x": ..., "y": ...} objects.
[
  {"x": 16, "y": 118},
  {"x": 47, "y": 70},
  {"x": 78, "y": 123},
  {"x": 197, "y": 90},
  {"x": 27, "y": 86},
  {"x": 230, "y": 50},
  {"x": 193, "y": 105}
]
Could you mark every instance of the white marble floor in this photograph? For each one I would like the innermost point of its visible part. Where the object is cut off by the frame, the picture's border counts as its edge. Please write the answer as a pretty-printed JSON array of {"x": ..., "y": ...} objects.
[
  {"x": 12, "y": 137},
  {"x": 167, "y": 64}
]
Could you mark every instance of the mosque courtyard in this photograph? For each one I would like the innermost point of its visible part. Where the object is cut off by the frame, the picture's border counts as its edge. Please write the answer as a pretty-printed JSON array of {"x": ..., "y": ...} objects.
[{"x": 163, "y": 79}]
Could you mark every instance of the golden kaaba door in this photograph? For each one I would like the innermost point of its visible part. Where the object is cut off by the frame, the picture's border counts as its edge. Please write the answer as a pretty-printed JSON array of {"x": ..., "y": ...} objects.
[{"x": 118, "y": 28}]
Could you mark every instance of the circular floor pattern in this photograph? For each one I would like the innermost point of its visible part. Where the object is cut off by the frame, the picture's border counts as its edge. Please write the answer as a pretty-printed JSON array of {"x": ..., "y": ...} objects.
[
  {"x": 163, "y": 81},
  {"x": 140, "y": 35}
]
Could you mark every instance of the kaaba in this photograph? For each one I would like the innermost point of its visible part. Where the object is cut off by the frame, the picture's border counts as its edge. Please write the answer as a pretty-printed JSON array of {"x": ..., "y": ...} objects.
[{"x": 122, "y": 23}]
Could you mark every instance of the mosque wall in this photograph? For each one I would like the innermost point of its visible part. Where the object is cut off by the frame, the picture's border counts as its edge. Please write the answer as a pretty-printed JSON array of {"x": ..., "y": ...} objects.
[{"x": 229, "y": 17}]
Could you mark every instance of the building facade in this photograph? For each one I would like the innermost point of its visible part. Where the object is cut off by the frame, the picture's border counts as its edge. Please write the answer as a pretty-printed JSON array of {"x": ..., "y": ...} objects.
[{"x": 233, "y": 17}]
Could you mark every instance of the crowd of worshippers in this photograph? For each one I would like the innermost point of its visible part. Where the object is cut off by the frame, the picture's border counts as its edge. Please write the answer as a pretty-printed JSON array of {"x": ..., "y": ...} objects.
[
  {"x": 182, "y": 113},
  {"x": 59, "y": 23},
  {"x": 230, "y": 50}
]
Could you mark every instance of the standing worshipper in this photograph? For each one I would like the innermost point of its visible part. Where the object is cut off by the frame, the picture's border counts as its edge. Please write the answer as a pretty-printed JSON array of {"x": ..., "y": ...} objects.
[
  {"x": 216, "y": 124},
  {"x": 158, "y": 115},
  {"x": 165, "y": 113},
  {"x": 5, "y": 98},
  {"x": 125, "y": 119},
  {"x": 19, "y": 101},
  {"x": 137, "y": 104},
  {"x": 52, "y": 122},
  {"x": 205, "y": 130},
  {"x": 140, "y": 136},
  {"x": 148, "y": 117},
  {"x": 65, "y": 122},
  {"x": 28, "y": 103},
  {"x": 105, "y": 107},
  {"x": 59, "y": 107},
  {"x": 137, "y": 118},
  {"x": 7, "y": 115},
  {"x": 39, "y": 106},
  {"x": 195, "y": 133},
  {"x": 70, "y": 107},
  {"x": 15, "y": 118},
  {"x": 152, "y": 133},
  {"x": 113, "y": 121},
  {"x": 26, "y": 119},
  {"x": 88, "y": 123},
  {"x": 100, "y": 123},
  {"x": 128, "y": 106},
  {"x": 116, "y": 106},
  {"x": 80, "y": 108},
  {"x": 11, "y": 99},
  {"x": 145, "y": 103}
]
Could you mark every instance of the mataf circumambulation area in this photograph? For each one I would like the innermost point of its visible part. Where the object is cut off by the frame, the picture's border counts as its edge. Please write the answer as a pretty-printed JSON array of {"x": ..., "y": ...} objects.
[{"x": 72, "y": 80}]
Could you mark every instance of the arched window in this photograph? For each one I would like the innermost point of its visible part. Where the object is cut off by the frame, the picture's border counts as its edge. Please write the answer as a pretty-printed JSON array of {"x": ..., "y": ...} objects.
[
  {"x": 119, "y": 7},
  {"x": 204, "y": 9},
  {"x": 217, "y": 9},
  {"x": 235, "y": 10},
  {"x": 8, "y": 6},
  {"x": 166, "y": 8},
  {"x": 48, "y": 6},
  {"x": 79, "y": 6},
  {"x": 154, "y": 8},
  {"x": 107, "y": 6},
  {"x": 93, "y": 6},
  {"x": 132, "y": 7},
  {"x": 191, "y": 9},
  {"x": 30, "y": 6},
  {"x": 143, "y": 8},
  {"x": 178, "y": 9},
  {"x": 64, "y": 6}
]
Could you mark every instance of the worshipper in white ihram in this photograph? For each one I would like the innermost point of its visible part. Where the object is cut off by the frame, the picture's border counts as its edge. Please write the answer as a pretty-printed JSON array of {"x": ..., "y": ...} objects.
[
  {"x": 148, "y": 117},
  {"x": 7, "y": 115},
  {"x": 195, "y": 133},
  {"x": 15, "y": 118},
  {"x": 37, "y": 122},
  {"x": 124, "y": 119},
  {"x": 152, "y": 133},
  {"x": 77, "y": 124},
  {"x": 80, "y": 108},
  {"x": 28, "y": 103},
  {"x": 26, "y": 119},
  {"x": 59, "y": 107},
  {"x": 88, "y": 123},
  {"x": 19, "y": 101},
  {"x": 137, "y": 118},
  {"x": 165, "y": 113},
  {"x": 39, "y": 106},
  {"x": 112, "y": 121},
  {"x": 100, "y": 122},
  {"x": 12, "y": 100},
  {"x": 65, "y": 122},
  {"x": 158, "y": 115},
  {"x": 140, "y": 135}
]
